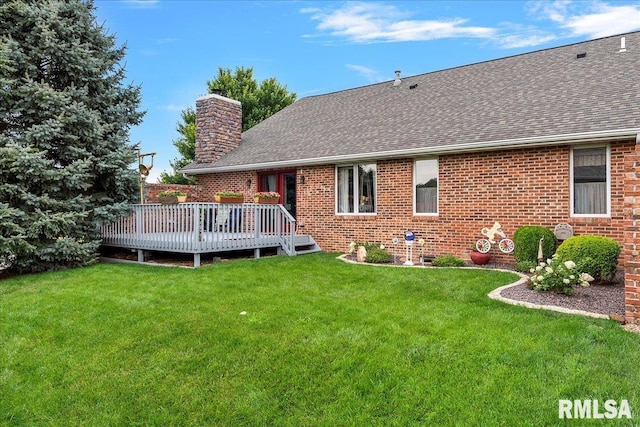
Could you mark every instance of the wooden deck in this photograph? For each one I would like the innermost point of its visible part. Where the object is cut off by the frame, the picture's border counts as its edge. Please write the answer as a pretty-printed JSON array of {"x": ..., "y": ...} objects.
[{"x": 199, "y": 228}]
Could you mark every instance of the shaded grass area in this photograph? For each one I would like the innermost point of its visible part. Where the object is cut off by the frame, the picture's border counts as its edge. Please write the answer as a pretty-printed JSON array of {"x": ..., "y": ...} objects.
[{"x": 322, "y": 343}]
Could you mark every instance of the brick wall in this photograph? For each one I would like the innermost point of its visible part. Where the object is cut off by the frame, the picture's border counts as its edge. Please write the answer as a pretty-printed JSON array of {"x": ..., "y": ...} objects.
[
  {"x": 517, "y": 187},
  {"x": 232, "y": 181},
  {"x": 631, "y": 247},
  {"x": 151, "y": 191},
  {"x": 218, "y": 127}
]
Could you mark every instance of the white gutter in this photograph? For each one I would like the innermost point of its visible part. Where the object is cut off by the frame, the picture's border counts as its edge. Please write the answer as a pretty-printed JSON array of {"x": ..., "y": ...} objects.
[{"x": 572, "y": 138}]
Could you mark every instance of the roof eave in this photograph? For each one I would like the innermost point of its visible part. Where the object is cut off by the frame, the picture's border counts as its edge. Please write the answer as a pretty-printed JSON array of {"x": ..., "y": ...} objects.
[{"x": 574, "y": 138}]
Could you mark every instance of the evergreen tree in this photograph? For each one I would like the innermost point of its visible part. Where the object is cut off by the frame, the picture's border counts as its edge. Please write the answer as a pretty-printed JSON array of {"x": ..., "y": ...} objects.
[
  {"x": 65, "y": 116},
  {"x": 259, "y": 101}
]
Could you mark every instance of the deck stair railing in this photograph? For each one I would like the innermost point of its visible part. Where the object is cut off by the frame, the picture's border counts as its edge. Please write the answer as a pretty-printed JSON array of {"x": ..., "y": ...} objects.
[{"x": 203, "y": 228}]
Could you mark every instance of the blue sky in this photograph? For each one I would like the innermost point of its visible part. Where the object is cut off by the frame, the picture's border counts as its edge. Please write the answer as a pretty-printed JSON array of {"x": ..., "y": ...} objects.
[{"x": 313, "y": 47}]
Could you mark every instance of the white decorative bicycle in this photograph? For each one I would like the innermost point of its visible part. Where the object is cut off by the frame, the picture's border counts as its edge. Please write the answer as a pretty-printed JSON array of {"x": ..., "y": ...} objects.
[{"x": 505, "y": 244}]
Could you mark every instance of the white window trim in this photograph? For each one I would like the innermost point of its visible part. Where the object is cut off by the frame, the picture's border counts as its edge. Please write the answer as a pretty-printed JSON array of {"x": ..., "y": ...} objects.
[
  {"x": 413, "y": 189},
  {"x": 356, "y": 195},
  {"x": 571, "y": 189}
]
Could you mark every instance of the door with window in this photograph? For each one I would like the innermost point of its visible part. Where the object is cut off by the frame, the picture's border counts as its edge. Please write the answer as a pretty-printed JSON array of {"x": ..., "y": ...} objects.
[{"x": 282, "y": 182}]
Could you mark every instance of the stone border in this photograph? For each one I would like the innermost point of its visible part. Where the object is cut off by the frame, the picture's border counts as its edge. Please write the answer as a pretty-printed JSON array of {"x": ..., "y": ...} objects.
[{"x": 496, "y": 293}]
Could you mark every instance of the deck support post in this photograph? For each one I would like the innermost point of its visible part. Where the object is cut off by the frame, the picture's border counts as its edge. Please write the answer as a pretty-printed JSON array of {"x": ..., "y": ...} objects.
[
  {"x": 196, "y": 260},
  {"x": 256, "y": 253},
  {"x": 140, "y": 255}
]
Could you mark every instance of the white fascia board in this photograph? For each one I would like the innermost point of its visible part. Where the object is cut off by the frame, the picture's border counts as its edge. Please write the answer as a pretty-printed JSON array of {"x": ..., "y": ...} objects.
[{"x": 573, "y": 138}]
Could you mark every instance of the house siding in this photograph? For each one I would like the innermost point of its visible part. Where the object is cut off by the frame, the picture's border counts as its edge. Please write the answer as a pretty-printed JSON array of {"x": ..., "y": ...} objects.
[
  {"x": 233, "y": 181},
  {"x": 514, "y": 187},
  {"x": 631, "y": 243}
]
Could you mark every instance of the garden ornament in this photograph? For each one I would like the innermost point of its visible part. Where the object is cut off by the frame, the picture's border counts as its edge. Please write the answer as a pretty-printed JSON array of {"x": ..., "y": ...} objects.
[{"x": 490, "y": 233}]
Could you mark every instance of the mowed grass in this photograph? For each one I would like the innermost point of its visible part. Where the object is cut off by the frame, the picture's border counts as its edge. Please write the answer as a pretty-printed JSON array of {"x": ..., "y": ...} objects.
[{"x": 323, "y": 343}]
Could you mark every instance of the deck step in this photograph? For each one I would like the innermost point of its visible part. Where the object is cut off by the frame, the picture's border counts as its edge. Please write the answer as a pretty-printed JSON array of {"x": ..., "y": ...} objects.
[{"x": 305, "y": 244}]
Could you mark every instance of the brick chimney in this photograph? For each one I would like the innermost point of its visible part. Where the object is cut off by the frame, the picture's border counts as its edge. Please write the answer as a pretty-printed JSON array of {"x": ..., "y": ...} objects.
[{"x": 218, "y": 127}]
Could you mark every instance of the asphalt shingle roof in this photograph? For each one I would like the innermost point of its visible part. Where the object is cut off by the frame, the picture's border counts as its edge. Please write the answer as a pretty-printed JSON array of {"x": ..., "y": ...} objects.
[{"x": 539, "y": 94}]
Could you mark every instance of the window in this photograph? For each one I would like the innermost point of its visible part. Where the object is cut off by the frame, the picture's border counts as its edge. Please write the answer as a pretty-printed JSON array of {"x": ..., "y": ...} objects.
[
  {"x": 425, "y": 178},
  {"x": 590, "y": 181},
  {"x": 356, "y": 192}
]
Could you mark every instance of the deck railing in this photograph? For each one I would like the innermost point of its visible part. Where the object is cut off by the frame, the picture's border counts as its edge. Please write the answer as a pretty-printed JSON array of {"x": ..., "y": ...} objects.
[{"x": 203, "y": 227}]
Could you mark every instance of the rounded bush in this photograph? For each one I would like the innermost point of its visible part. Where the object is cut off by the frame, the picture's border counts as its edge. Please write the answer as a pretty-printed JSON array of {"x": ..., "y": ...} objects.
[
  {"x": 375, "y": 255},
  {"x": 447, "y": 260},
  {"x": 596, "y": 255},
  {"x": 526, "y": 240}
]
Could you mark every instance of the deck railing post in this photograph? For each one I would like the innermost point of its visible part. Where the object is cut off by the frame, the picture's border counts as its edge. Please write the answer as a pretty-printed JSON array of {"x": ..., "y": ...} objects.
[
  {"x": 138, "y": 223},
  {"x": 197, "y": 232}
]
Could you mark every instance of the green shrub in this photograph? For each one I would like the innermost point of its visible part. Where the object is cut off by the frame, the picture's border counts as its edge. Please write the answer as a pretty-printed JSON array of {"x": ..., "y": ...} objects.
[
  {"x": 375, "y": 255},
  {"x": 596, "y": 255},
  {"x": 526, "y": 240},
  {"x": 558, "y": 276},
  {"x": 447, "y": 260}
]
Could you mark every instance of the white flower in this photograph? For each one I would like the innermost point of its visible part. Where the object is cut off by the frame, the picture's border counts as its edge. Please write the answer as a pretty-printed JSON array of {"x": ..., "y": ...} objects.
[
  {"x": 540, "y": 278},
  {"x": 243, "y": 313},
  {"x": 381, "y": 246},
  {"x": 548, "y": 269},
  {"x": 352, "y": 247},
  {"x": 572, "y": 277},
  {"x": 538, "y": 268},
  {"x": 543, "y": 264},
  {"x": 566, "y": 281},
  {"x": 570, "y": 264},
  {"x": 584, "y": 284},
  {"x": 532, "y": 270},
  {"x": 549, "y": 260},
  {"x": 586, "y": 277}
]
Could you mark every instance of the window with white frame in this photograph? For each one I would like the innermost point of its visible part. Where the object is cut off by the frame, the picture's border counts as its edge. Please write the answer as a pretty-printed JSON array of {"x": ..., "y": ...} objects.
[
  {"x": 590, "y": 181},
  {"x": 356, "y": 189},
  {"x": 425, "y": 179}
]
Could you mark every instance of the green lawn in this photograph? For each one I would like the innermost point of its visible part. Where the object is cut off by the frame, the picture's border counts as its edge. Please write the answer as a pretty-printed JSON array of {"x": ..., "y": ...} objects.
[{"x": 322, "y": 343}]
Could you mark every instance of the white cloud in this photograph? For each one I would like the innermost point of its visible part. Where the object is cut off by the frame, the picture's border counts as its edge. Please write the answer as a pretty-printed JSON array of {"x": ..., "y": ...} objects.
[
  {"x": 173, "y": 107},
  {"x": 515, "y": 36},
  {"x": 359, "y": 22},
  {"x": 519, "y": 41},
  {"x": 370, "y": 74},
  {"x": 142, "y": 4},
  {"x": 376, "y": 22},
  {"x": 596, "y": 20}
]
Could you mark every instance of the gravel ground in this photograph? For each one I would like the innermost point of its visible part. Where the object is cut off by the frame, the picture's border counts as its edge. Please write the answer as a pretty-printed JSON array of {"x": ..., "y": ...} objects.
[{"x": 603, "y": 299}]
